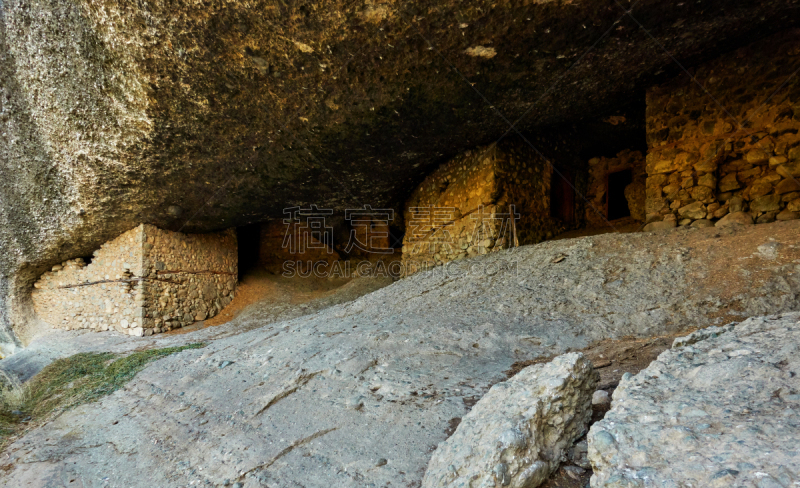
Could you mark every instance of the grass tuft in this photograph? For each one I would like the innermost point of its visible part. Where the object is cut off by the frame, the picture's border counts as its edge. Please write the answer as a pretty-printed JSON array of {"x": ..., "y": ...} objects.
[{"x": 69, "y": 382}]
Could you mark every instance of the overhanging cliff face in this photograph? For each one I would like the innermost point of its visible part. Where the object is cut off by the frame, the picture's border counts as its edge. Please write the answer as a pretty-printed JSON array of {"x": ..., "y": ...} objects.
[{"x": 200, "y": 116}]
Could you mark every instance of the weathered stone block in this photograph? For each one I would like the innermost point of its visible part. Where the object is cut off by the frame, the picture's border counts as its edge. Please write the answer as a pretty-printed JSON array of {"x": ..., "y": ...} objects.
[
  {"x": 788, "y": 185},
  {"x": 671, "y": 189},
  {"x": 737, "y": 218},
  {"x": 757, "y": 156},
  {"x": 708, "y": 180},
  {"x": 736, "y": 204},
  {"x": 635, "y": 196},
  {"x": 517, "y": 433},
  {"x": 721, "y": 212},
  {"x": 760, "y": 189},
  {"x": 767, "y": 218},
  {"x": 702, "y": 223},
  {"x": 788, "y": 197},
  {"x": 656, "y": 181},
  {"x": 777, "y": 160},
  {"x": 748, "y": 174},
  {"x": 729, "y": 183},
  {"x": 662, "y": 166},
  {"x": 706, "y": 166},
  {"x": 766, "y": 203},
  {"x": 702, "y": 193},
  {"x": 789, "y": 170},
  {"x": 693, "y": 211}
]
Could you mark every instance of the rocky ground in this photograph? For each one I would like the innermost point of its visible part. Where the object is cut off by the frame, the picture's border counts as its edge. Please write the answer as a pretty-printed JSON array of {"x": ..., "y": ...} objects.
[
  {"x": 719, "y": 412},
  {"x": 361, "y": 393}
]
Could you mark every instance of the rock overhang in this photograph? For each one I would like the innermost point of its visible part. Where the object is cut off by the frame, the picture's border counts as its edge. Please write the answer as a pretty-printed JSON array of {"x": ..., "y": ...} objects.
[
  {"x": 199, "y": 117},
  {"x": 232, "y": 111}
]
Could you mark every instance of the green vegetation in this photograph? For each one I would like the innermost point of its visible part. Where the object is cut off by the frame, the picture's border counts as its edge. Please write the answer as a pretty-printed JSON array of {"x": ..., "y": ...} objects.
[{"x": 69, "y": 382}]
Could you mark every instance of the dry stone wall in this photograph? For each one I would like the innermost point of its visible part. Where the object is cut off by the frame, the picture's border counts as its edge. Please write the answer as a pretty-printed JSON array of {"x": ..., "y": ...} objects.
[
  {"x": 464, "y": 208},
  {"x": 143, "y": 282},
  {"x": 189, "y": 277},
  {"x": 115, "y": 304},
  {"x": 281, "y": 243},
  {"x": 728, "y": 142},
  {"x": 296, "y": 249}
]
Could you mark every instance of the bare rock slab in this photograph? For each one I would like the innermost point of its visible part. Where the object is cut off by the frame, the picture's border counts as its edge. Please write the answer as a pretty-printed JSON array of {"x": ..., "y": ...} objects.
[
  {"x": 720, "y": 409},
  {"x": 518, "y": 433}
]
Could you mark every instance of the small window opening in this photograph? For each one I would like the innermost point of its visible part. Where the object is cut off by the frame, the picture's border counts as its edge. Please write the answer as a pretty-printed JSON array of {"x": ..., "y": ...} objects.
[{"x": 617, "y": 204}]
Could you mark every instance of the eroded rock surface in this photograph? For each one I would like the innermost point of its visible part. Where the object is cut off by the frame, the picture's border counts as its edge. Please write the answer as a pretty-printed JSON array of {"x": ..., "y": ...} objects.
[
  {"x": 360, "y": 394},
  {"x": 720, "y": 409},
  {"x": 518, "y": 432}
]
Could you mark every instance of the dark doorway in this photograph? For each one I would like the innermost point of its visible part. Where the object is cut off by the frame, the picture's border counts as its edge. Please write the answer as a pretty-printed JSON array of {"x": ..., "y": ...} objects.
[
  {"x": 249, "y": 238},
  {"x": 616, "y": 203},
  {"x": 562, "y": 196},
  {"x": 396, "y": 235}
]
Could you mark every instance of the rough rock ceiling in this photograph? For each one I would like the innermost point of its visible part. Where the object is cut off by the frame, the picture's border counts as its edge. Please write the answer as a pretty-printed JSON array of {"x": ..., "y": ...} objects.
[{"x": 236, "y": 109}]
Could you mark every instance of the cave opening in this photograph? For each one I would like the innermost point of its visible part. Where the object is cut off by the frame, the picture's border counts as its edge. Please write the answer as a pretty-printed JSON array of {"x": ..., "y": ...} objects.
[
  {"x": 616, "y": 203},
  {"x": 249, "y": 240}
]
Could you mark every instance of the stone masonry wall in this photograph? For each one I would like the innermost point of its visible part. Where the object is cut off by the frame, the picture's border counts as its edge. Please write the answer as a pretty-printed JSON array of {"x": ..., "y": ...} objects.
[
  {"x": 599, "y": 169},
  {"x": 462, "y": 209},
  {"x": 733, "y": 150},
  {"x": 191, "y": 277},
  {"x": 143, "y": 282},
  {"x": 275, "y": 250},
  {"x": 112, "y": 305}
]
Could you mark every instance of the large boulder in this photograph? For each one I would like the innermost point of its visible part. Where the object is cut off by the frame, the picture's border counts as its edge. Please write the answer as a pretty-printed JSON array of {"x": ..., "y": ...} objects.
[
  {"x": 517, "y": 434},
  {"x": 720, "y": 409}
]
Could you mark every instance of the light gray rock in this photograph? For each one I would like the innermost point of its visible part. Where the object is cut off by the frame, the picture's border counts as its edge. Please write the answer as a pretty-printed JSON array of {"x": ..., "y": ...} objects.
[
  {"x": 720, "y": 409},
  {"x": 578, "y": 454},
  {"x": 701, "y": 335},
  {"x": 517, "y": 434},
  {"x": 601, "y": 398}
]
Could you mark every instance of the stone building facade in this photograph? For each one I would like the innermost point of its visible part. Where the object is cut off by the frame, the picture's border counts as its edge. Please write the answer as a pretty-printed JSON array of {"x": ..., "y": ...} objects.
[
  {"x": 464, "y": 208},
  {"x": 601, "y": 172},
  {"x": 727, "y": 144},
  {"x": 143, "y": 282}
]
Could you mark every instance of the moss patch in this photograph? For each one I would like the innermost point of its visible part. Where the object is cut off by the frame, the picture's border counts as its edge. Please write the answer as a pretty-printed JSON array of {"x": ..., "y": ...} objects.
[{"x": 69, "y": 382}]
